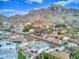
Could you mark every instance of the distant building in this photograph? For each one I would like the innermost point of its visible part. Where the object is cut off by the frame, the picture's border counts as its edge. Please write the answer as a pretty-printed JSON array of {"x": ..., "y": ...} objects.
[
  {"x": 6, "y": 25},
  {"x": 1, "y": 32},
  {"x": 66, "y": 38},
  {"x": 18, "y": 28},
  {"x": 8, "y": 50},
  {"x": 71, "y": 44}
]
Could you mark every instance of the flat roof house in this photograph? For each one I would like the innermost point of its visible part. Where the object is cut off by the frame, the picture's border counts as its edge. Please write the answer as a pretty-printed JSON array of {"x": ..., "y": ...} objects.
[
  {"x": 38, "y": 47},
  {"x": 8, "y": 50}
]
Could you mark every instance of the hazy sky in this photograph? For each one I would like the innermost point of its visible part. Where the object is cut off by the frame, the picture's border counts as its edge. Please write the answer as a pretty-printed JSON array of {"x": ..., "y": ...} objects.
[{"x": 11, "y": 7}]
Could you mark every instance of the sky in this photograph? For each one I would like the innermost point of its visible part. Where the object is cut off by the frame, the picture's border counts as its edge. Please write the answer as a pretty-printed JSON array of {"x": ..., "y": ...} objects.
[{"x": 22, "y": 7}]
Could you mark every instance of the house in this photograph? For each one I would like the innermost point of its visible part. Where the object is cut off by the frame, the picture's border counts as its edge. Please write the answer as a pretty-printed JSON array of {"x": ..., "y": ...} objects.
[
  {"x": 18, "y": 28},
  {"x": 71, "y": 44},
  {"x": 8, "y": 50},
  {"x": 59, "y": 37},
  {"x": 59, "y": 48},
  {"x": 1, "y": 32},
  {"x": 6, "y": 25},
  {"x": 38, "y": 47},
  {"x": 66, "y": 38}
]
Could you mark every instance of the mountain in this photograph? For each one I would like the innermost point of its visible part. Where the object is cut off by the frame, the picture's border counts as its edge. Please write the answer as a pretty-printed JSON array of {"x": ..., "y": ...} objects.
[
  {"x": 2, "y": 17},
  {"x": 53, "y": 14}
]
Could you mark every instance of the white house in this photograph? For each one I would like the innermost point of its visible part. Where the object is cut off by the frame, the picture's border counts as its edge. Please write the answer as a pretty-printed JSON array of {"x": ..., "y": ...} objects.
[
  {"x": 71, "y": 44},
  {"x": 60, "y": 48},
  {"x": 18, "y": 28},
  {"x": 38, "y": 47},
  {"x": 8, "y": 50},
  {"x": 66, "y": 38}
]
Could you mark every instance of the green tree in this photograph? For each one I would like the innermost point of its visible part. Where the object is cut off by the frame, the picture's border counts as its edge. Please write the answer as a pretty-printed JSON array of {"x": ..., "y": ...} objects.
[
  {"x": 44, "y": 55},
  {"x": 27, "y": 28},
  {"x": 63, "y": 25},
  {"x": 21, "y": 55},
  {"x": 74, "y": 53}
]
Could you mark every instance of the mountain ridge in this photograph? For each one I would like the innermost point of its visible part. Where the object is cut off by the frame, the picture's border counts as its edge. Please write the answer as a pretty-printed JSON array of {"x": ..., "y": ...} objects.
[{"x": 52, "y": 14}]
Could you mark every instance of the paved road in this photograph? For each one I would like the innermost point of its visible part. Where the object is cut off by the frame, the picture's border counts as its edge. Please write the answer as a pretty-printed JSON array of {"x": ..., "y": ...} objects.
[{"x": 40, "y": 38}]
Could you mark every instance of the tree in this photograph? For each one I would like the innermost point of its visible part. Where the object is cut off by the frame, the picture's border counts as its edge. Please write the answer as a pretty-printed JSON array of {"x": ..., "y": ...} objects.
[
  {"x": 63, "y": 25},
  {"x": 21, "y": 55},
  {"x": 27, "y": 28},
  {"x": 74, "y": 53},
  {"x": 44, "y": 55}
]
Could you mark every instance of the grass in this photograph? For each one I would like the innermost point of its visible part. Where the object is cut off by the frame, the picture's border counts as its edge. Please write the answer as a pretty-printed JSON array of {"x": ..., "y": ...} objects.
[{"x": 21, "y": 55}]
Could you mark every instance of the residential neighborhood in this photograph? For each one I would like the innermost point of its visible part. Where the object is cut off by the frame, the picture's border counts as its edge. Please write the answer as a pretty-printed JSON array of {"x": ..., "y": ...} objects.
[
  {"x": 34, "y": 41},
  {"x": 39, "y": 29}
]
